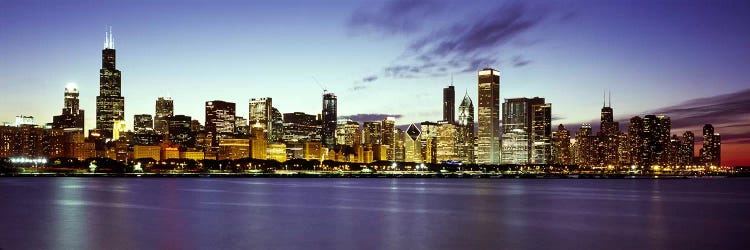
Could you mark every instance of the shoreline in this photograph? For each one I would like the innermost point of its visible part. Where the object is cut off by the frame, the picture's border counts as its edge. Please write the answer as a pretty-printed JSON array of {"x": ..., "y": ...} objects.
[{"x": 426, "y": 175}]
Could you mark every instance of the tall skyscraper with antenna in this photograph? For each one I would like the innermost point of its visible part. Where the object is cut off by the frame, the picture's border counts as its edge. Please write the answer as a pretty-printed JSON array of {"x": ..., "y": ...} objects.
[{"x": 110, "y": 105}]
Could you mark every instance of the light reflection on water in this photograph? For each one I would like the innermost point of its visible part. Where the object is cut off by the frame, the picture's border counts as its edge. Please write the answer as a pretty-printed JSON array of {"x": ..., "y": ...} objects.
[{"x": 121, "y": 213}]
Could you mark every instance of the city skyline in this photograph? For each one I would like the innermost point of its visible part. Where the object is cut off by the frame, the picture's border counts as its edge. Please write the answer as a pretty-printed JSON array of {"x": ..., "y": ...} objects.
[{"x": 348, "y": 105}]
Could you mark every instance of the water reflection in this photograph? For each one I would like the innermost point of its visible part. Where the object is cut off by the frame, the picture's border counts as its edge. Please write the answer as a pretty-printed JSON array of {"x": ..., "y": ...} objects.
[{"x": 114, "y": 213}]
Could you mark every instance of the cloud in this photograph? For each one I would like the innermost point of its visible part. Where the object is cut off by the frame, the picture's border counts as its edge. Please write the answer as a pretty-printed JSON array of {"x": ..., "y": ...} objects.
[
  {"x": 519, "y": 61},
  {"x": 371, "y": 78},
  {"x": 728, "y": 113},
  {"x": 393, "y": 17},
  {"x": 361, "y": 118},
  {"x": 467, "y": 45}
]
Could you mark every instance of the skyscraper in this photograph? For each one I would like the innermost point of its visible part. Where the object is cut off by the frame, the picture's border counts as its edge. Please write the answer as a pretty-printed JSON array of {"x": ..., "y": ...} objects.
[
  {"x": 261, "y": 112},
  {"x": 72, "y": 116},
  {"x": 687, "y": 149},
  {"x": 110, "y": 105},
  {"x": 488, "y": 135},
  {"x": 180, "y": 132},
  {"x": 561, "y": 146},
  {"x": 449, "y": 104},
  {"x": 541, "y": 133},
  {"x": 608, "y": 137},
  {"x": 466, "y": 129},
  {"x": 328, "y": 128},
  {"x": 143, "y": 123},
  {"x": 372, "y": 133},
  {"x": 711, "y": 151},
  {"x": 389, "y": 136},
  {"x": 219, "y": 120},
  {"x": 518, "y": 129},
  {"x": 164, "y": 110}
]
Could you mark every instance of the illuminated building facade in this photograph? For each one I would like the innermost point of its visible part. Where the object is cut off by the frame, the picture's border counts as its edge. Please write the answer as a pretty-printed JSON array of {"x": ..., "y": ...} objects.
[
  {"x": 687, "y": 149},
  {"x": 179, "y": 131},
  {"x": 164, "y": 110},
  {"x": 300, "y": 127},
  {"x": 518, "y": 130},
  {"x": 372, "y": 133},
  {"x": 488, "y": 134},
  {"x": 261, "y": 112},
  {"x": 219, "y": 120},
  {"x": 389, "y": 136},
  {"x": 348, "y": 133},
  {"x": 541, "y": 133},
  {"x": 258, "y": 142},
  {"x": 466, "y": 130},
  {"x": 447, "y": 135},
  {"x": 711, "y": 151},
  {"x": 561, "y": 146},
  {"x": 233, "y": 149},
  {"x": 110, "y": 105},
  {"x": 143, "y": 123}
]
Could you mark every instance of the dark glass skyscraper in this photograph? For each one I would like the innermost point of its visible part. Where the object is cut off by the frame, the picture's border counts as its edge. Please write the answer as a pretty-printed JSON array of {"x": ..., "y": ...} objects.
[
  {"x": 143, "y": 123},
  {"x": 164, "y": 110},
  {"x": 328, "y": 128},
  {"x": 220, "y": 120},
  {"x": 449, "y": 104},
  {"x": 110, "y": 105}
]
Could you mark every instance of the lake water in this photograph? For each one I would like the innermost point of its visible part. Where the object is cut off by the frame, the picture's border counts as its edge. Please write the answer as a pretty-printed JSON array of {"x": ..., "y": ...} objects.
[{"x": 222, "y": 213}]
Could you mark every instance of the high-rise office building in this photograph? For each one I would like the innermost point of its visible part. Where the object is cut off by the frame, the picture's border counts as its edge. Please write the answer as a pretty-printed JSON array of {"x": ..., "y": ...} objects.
[
  {"x": 372, "y": 133},
  {"x": 219, "y": 120},
  {"x": 608, "y": 137},
  {"x": 164, "y": 110},
  {"x": 488, "y": 134},
  {"x": 584, "y": 147},
  {"x": 541, "y": 133},
  {"x": 261, "y": 112},
  {"x": 110, "y": 105},
  {"x": 389, "y": 136},
  {"x": 348, "y": 133},
  {"x": 72, "y": 116},
  {"x": 277, "y": 126},
  {"x": 449, "y": 104},
  {"x": 445, "y": 150},
  {"x": 561, "y": 146},
  {"x": 636, "y": 142},
  {"x": 328, "y": 120},
  {"x": 655, "y": 140},
  {"x": 300, "y": 127},
  {"x": 466, "y": 129},
  {"x": 518, "y": 129},
  {"x": 143, "y": 123},
  {"x": 711, "y": 151},
  {"x": 687, "y": 149},
  {"x": 180, "y": 132}
]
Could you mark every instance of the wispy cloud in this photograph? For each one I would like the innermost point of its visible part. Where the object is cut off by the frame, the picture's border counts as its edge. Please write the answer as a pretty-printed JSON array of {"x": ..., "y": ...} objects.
[
  {"x": 469, "y": 44},
  {"x": 728, "y": 113},
  {"x": 392, "y": 17}
]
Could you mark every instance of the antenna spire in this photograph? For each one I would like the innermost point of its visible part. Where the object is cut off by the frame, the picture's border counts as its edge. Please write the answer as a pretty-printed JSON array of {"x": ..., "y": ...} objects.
[
  {"x": 610, "y": 98},
  {"x": 604, "y": 98},
  {"x": 451, "y": 79}
]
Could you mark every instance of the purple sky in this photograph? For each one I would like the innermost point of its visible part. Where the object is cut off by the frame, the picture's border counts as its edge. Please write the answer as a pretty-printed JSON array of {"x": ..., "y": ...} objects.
[{"x": 381, "y": 57}]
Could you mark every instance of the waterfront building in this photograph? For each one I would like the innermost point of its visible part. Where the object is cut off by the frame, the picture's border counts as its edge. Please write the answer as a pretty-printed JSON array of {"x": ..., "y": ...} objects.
[
  {"x": 164, "y": 111},
  {"x": 488, "y": 134},
  {"x": 328, "y": 120},
  {"x": 219, "y": 120},
  {"x": 72, "y": 116},
  {"x": 110, "y": 105}
]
